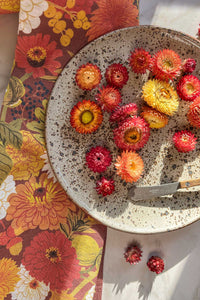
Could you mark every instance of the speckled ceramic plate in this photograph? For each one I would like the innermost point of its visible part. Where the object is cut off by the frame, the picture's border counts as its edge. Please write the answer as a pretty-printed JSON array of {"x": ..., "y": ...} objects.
[{"x": 67, "y": 148}]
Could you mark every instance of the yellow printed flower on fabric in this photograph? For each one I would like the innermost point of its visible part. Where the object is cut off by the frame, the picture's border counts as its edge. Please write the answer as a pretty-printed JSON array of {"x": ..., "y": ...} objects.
[
  {"x": 9, "y": 6},
  {"x": 161, "y": 96},
  {"x": 27, "y": 161},
  {"x": 9, "y": 276},
  {"x": 42, "y": 204},
  {"x": 87, "y": 249}
]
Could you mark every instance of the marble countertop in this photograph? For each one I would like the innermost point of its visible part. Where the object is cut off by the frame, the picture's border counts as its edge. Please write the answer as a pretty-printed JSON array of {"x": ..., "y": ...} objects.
[{"x": 179, "y": 249}]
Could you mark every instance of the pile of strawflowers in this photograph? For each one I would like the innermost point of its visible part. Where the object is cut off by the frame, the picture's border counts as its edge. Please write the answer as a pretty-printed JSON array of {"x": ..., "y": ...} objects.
[{"x": 169, "y": 80}]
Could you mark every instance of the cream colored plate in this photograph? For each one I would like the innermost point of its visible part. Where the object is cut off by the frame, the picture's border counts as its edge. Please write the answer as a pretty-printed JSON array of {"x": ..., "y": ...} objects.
[{"x": 67, "y": 148}]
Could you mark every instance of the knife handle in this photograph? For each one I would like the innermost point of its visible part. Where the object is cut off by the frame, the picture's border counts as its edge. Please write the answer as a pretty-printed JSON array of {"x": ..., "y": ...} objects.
[{"x": 189, "y": 183}]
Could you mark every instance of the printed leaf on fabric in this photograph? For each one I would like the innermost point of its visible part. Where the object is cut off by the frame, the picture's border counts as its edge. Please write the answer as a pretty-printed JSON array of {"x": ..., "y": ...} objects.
[
  {"x": 5, "y": 164},
  {"x": 9, "y": 135}
]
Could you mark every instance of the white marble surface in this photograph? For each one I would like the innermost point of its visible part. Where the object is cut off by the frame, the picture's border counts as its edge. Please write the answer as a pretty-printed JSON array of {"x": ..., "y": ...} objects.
[{"x": 179, "y": 249}]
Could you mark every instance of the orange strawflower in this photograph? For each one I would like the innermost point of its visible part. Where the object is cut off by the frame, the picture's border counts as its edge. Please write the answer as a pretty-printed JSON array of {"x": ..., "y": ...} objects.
[
  {"x": 155, "y": 118},
  {"x": 129, "y": 166},
  {"x": 42, "y": 204},
  {"x": 26, "y": 161},
  {"x": 86, "y": 116},
  {"x": 88, "y": 76}
]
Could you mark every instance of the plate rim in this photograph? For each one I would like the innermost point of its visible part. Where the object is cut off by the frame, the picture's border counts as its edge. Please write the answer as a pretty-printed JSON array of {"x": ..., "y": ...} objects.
[{"x": 90, "y": 212}]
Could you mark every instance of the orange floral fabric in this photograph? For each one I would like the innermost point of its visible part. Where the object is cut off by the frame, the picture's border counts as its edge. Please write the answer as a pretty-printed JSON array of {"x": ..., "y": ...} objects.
[{"x": 50, "y": 248}]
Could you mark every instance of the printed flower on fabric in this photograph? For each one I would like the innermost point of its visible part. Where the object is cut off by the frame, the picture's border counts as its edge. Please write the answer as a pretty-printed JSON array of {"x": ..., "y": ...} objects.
[
  {"x": 64, "y": 295},
  {"x": 27, "y": 161},
  {"x": 47, "y": 167},
  {"x": 6, "y": 188},
  {"x": 29, "y": 287},
  {"x": 37, "y": 55},
  {"x": 9, "y": 276},
  {"x": 52, "y": 259},
  {"x": 111, "y": 15},
  {"x": 30, "y": 12},
  {"x": 40, "y": 203}
]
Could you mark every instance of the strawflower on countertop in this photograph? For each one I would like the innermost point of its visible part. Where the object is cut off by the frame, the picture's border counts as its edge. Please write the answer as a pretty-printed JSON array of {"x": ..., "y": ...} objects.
[
  {"x": 156, "y": 264},
  {"x": 133, "y": 254}
]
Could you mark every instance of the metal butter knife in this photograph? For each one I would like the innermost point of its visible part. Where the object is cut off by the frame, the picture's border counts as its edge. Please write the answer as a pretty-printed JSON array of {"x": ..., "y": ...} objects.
[{"x": 137, "y": 193}]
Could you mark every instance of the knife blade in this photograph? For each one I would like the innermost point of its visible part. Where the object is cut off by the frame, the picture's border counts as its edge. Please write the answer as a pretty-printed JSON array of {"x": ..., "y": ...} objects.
[{"x": 139, "y": 193}]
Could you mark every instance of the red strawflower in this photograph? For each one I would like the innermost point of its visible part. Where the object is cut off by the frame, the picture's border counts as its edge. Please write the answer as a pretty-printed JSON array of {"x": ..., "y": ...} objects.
[
  {"x": 108, "y": 98},
  {"x": 105, "y": 186},
  {"x": 140, "y": 60},
  {"x": 37, "y": 55},
  {"x": 52, "y": 259},
  {"x": 111, "y": 15},
  {"x": 188, "y": 87},
  {"x": 156, "y": 264},
  {"x": 199, "y": 30},
  {"x": 123, "y": 112},
  {"x": 194, "y": 113},
  {"x": 116, "y": 75},
  {"x": 166, "y": 64},
  {"x": 132, "y": 134},
  {"x": 189, "y": 65},
  {"x": 133, "y": 254},
  {"x": 98, "y": 159},
  {"x": 184, "y": 141}
]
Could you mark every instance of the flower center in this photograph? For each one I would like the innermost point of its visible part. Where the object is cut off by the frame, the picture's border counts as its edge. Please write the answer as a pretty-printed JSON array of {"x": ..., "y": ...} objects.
[
  {"x": 141, "y": 60},
  {"x": 168, "y": 64},
  {"x": 132, "y": 135},
  {"x": 40, "y": 192},
  {"x": 164, "y": 93},
  {"x": 184, "y": 138},
  {"x": 36, "y": 56},
  {"x": 189, "y": 88},
  {"x": 34, "y": 284},
  {"x": 53, "y": 255},
  {"x": 86, "y": 117},
  {"x": 89, "y": 76}
]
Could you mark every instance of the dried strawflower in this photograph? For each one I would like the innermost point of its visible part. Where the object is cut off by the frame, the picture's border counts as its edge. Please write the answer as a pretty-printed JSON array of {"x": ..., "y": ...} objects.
[
  {"x": 86, "y": 116},
  {"x": 194, "y": 113},
  {"x": 155, "y": 118},
  {"x": 129, "y": 166},
  {"x": 132, "y": 134},
  {"x": 116, "y": 75},
  {"x": 184, "y": 141},
  {"x": 166, "y": 64},
  {"x": 140, "y": 60},
  {"x": 161, "y": 96},
  {"x": 98, "y": 159},
  {"x": 189, "y": 65},
  {"x": 133, "y": 254},
  {"x": 156, "y": 264},
  {"x": 105, "y": 186},
  {"x": 88, "y": 76},
  {"x": 123, "y": 112},
  {"x": 108, "y": 98},
  {"x": 188, "y": 87}
]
